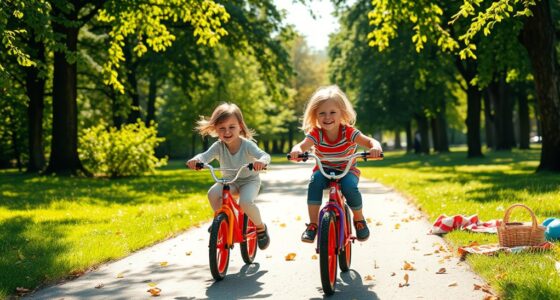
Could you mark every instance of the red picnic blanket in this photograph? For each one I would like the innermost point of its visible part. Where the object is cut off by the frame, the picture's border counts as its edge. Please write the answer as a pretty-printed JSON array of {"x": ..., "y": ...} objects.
[{"x": 445, "y": 224}]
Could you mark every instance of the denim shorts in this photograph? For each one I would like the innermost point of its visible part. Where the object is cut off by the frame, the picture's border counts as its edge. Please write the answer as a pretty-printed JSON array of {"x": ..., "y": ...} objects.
[{"x": 348, "y": 185}]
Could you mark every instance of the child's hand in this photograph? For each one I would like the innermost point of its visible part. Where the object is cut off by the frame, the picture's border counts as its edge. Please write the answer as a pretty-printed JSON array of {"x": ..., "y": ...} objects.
[
  {"x": 259, "y": 166},
  {"x": 294, "y": 154},
  {"x": 375, "y": 151},
  {"x": 192, "y": 163}
]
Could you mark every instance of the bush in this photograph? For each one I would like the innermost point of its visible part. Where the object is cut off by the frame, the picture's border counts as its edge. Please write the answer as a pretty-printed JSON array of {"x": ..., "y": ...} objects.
[{"x": 128, "y": 151}]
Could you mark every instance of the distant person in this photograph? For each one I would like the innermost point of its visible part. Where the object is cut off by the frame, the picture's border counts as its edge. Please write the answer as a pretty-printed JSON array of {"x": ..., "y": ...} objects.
[
  {"x": 417, "y": 142},
  {"x": 234, "y": 149},
  {"x": 328, "y": 124}
]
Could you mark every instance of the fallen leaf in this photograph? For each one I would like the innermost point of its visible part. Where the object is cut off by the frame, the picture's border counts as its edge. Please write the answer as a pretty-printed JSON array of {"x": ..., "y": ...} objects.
[
  {"x": 397, "y": 226},
  {"x": 427, "y": 254},
  {"x": 298, "y": 218},
  {"x": 453, "y": 284},
  {"x": 99, "y": 286},
  {"x": 441, "y": 271},
  {"x": 490, "y": 297},
  {"x": 375, "y": 266},
  {"x": 290, "y": 256},
  {"x": 22, "y": 291},
  {"x": 378, "y": 223},
  {"x": 368, "y": 220},
  {"x": 120, "y": 275},
  {"x": 188, "y": 253},
  {"x": 152, "y": 284},
  {"x": 282, "y": 225},
  {"x": 163, "y": 264},
  {"x": 393, "y": 273},
  {"x": 154, "y": 291},
  {"x": 369, "y": 277},
  {"x": 405, "y": 281},
  {"x": 409, "y": 267},
  {"x": 314, "y": 256},
  {"x": 268, "y": 256}
]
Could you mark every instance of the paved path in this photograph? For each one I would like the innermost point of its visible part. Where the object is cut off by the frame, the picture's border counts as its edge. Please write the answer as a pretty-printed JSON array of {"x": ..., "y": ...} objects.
[{"x": 376, "y": 270}]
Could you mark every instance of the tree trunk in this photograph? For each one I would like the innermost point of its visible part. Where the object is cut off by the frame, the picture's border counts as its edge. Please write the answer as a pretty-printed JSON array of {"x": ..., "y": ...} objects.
[
  {"x": 423, "y": 128},
  {"x": 489, "y": 119},
  {"x": 539, "y": 39},
  {"x": 409, "y": 138},
  {"x": 398, "y": 144},
  {"x": 64, "y": 147},
  {"x": 524, "y": 126},
  {"x": 473, "y": 122},
  {"x": 504, "y": 114},
  {"x": 441, "y": 121},
  {"x": 35, "y": 89}
]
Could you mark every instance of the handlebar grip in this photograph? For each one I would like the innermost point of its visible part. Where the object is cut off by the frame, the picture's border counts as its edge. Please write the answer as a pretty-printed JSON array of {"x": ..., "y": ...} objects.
[
  {"x": 250, "y": 166},
  {"x": 199, "y": 166},
  {"x": 304, "y": 156}
]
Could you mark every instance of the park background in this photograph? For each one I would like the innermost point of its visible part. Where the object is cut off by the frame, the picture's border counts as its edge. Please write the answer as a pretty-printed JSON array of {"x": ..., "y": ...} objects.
[{"x": 99, "y": 101}]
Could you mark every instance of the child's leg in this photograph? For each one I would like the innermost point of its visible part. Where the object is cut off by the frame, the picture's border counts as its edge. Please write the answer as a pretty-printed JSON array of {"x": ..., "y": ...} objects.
[
  {"x": 317, "y": 184},
  {"x": 247, "y": 194},
  {"x": 349, "y": 187},
  {"x": 215, "y": 196}
]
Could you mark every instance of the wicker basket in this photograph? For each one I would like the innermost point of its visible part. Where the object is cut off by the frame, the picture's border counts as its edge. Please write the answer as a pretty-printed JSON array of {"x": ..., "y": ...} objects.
[{"x": 520, "y": 234}]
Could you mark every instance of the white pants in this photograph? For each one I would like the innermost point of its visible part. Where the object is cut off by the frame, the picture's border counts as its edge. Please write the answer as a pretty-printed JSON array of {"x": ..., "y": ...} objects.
[{"x": 247, "y": 191}]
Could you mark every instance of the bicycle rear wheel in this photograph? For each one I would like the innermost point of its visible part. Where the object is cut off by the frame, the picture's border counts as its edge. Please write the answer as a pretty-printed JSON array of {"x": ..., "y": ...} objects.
[
  {"x": 345, "y": 255},
  {"x": 327, "y": 253},
  {"x": 218, "y": 247},
  {"x": 249, "y": 244}
]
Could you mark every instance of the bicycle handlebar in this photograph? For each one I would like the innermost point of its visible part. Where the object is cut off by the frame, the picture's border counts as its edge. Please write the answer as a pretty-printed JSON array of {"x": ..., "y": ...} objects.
[
  {"x": 224, "y": 180},
  {"x": 365, "y": 155}
]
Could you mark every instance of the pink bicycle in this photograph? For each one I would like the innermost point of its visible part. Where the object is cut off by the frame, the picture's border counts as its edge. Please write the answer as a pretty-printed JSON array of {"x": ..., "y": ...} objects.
[{"x": 334, "y": 240}]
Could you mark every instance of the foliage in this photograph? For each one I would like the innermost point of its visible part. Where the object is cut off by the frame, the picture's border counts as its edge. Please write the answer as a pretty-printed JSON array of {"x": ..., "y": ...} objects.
[
  {"x": 127, "y": 151},
  {"x": 78, "y": 223},
  {"x": 452, "y": 184}
]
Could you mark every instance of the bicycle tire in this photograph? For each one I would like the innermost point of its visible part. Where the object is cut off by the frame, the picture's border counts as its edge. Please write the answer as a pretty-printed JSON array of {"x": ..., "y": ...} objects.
[
  {"x": 249, "y": 245},
  {"x": 327, "y": 253},
  {"x": 345, "y": 255},
  {"x": 218, "y": 247}
]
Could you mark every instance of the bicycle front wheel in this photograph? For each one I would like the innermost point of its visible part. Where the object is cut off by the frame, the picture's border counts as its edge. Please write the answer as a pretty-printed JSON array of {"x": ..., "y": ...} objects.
[
  {"x": 249, "y": 244},
  {"x": 345, "y": 255},
  {"x": 218, "y": 247},
  {"x": 327, "y": 253}
]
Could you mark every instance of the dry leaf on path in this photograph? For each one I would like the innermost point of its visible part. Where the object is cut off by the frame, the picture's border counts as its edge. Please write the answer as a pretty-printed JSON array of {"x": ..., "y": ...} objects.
[
  {"x": 152, "y": 284},
  {"x": 290, "y": 256},
  {"x": 154, "y": 291},
  {"x": 453, "y": 284},
  {"x": 369, "y": 277},
  {"x": 378, "y": 224},
  {"x": 407, "y": 266},
  {"x": 22, "y": 291},
  {"x": 188, "y": 253},
  {"x": 99, "y": 286},
  {"x": 314, "y": 256},
  {"x": 397, "y": 226},
  {"x": 393, "y": 273},
  {"x": 298, "y": 218},
  {"x": 120, "y": 275},
  {"x": 282, "y": 225},
  {"x": 163, "y": 264},
  {"x": 441, "y": 271},
  {"x": 405, "y": 281},
  {"x": 368, "y": 220}
]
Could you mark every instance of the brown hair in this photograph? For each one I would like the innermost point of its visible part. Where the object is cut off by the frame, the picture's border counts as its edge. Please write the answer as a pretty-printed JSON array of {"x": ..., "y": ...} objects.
[
  {"x": 321, "y": 95},
  {"x": 220, "y": 114}
]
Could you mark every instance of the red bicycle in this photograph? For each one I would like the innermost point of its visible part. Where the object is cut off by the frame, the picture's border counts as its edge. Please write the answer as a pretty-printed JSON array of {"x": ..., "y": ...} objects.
[
  {"x": 334, "y": 240},
  {"x": 230, "y": 225}
]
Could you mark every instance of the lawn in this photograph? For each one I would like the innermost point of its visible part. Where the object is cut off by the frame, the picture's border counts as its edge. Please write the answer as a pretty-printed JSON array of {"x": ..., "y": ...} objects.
[
  {"x": 57, "y": 227},
  {"x": 452, "y": 184}
]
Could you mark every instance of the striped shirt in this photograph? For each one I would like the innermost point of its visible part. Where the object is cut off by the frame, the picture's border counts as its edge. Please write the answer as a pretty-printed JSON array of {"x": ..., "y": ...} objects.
[{"x": 345, "y": 145}]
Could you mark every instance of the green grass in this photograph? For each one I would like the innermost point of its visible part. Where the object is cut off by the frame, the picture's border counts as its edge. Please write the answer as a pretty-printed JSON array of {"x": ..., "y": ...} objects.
[
  {"x": 53, "y": 227},
  {"x": 452, "y": 184}
]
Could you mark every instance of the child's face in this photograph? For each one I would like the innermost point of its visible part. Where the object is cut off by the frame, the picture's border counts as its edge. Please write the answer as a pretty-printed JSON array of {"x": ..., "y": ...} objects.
[
  {"x": 228, "y": 130},
  {"x": 329, "y": 115}
]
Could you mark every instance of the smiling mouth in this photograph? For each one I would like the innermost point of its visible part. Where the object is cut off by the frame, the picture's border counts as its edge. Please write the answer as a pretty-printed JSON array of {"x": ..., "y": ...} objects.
[{"x": 328, "y": 123}]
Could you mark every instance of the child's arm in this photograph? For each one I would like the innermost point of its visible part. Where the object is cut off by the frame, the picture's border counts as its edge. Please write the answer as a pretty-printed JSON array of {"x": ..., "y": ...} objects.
[
  {"x": 205, "y": 157},
  {"x": 301, "y": 147},
  {"x": 262, "y": 157},
  {"x": 370, "y": 143}
]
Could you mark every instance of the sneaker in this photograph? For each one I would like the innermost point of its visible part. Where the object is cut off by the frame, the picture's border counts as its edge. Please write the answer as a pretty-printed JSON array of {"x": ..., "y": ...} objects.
[
  {"x": 362, "y": 230},
  {"x": 309, "y": 234},
  {"x": 263, "y": 238}
]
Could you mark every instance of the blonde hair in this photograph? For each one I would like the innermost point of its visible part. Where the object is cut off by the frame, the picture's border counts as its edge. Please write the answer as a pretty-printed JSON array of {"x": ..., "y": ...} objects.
[
  {"x": 321, "y": 95},
  {"x": 221, "y": 113}
]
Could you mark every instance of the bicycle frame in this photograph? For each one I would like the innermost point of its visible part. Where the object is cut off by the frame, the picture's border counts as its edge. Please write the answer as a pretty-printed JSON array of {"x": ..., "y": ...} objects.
[{"x": 230, "y": 207}]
